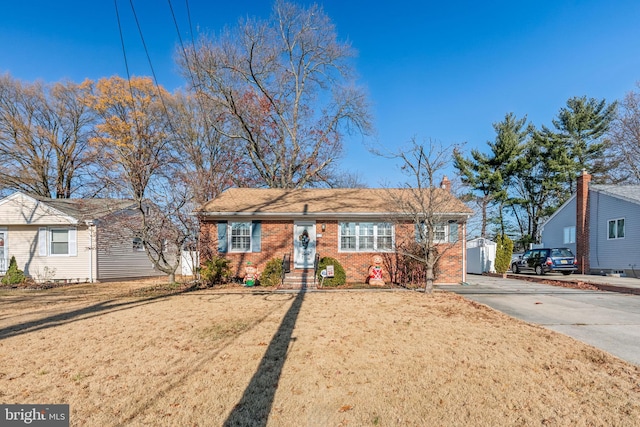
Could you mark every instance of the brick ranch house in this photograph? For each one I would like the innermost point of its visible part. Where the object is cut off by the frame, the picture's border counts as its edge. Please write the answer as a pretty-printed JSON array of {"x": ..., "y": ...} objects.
[{"x": 350, "y": 225}]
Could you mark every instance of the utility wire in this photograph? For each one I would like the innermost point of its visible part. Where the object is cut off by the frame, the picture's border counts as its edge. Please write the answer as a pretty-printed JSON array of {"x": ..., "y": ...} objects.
[
  {"x": 124, "y": 53},
  {"x": 153, "y": 72},
  {"x": 205, "y": 117}
]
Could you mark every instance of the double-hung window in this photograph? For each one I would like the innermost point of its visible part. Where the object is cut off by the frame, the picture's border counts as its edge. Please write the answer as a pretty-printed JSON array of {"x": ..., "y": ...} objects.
[
  {"x": 240, "y": 236},
  {"x": 569, "y": 234},
  {"x": 365, "y": 236},
  {"x": 442, "y": 232},
  {"x": 57, "y": 242},
  {"x": 616, "y": 228}
]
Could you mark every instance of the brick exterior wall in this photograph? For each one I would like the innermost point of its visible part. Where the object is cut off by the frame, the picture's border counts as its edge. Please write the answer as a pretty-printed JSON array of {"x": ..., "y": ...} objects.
[
  {"x": 582, "y": 223},
  {"x": 277, "y": 240}
]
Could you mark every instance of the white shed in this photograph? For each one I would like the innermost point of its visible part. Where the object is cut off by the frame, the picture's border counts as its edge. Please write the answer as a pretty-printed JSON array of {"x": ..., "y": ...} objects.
[{"x": 481, "y": 256}]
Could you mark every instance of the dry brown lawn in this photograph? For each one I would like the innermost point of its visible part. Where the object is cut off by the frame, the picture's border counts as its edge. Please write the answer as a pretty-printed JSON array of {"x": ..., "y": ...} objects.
[{"x": 239, "y": 356}]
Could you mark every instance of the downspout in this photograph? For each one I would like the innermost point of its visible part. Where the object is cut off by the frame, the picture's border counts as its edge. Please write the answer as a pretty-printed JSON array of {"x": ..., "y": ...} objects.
[
  {"x": 91, "y": 226},
  {"x": 464, "y": 252}
]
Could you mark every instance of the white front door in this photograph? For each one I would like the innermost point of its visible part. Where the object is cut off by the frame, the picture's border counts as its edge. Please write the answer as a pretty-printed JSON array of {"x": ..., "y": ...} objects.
[
  {"x": 3, "y": 251},
  {"x": 304, "y": 244}
]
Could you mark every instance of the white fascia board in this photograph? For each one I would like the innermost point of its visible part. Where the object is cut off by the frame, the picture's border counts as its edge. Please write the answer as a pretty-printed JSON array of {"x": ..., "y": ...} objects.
[{"x": 50, "y": 209}]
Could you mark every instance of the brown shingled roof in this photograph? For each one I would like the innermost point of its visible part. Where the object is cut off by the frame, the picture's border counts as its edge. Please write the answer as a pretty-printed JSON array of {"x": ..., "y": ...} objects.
[{"x": 321, "y": 201}]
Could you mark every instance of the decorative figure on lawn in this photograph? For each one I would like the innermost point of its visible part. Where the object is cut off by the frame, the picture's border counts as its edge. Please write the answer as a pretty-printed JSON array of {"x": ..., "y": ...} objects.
[
  {"x": 250, "y": 275},
  {"x": 375, "y": 272}
]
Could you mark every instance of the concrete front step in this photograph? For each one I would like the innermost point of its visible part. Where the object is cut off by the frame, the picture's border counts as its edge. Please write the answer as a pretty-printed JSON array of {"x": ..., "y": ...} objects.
[{"x": 299, "y": 279}]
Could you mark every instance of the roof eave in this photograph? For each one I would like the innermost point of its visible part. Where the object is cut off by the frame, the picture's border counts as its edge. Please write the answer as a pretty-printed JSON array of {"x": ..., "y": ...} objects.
[{"x": 320, "y": 215}]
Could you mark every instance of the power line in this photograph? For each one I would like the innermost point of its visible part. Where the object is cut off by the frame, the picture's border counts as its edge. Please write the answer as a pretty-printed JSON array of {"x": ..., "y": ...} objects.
[{"x": 124, "y": 52}]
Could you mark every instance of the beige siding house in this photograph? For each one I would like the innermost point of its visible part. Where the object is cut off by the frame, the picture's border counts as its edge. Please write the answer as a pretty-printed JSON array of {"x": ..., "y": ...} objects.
[{"x": 71, "y": 240}]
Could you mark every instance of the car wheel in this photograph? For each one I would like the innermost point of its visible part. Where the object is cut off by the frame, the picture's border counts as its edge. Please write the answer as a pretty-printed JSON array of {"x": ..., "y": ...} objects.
[
  {"x": 566, "y": 273},
  {"x": 539, "y": 270},
  {"x": 514, "y": 268}
]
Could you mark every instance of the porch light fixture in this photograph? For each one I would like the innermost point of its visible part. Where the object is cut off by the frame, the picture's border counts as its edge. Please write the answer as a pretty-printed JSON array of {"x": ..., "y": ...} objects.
[{"x": 324, "y": 227}]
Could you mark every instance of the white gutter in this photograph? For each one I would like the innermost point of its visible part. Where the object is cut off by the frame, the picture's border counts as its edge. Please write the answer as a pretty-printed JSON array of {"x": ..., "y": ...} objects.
[{"x": 91, "y": 226}]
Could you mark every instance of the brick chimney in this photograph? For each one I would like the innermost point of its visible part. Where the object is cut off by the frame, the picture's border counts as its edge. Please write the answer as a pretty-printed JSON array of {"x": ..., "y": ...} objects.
[
  {"x": 445, "y": 184},
  {"x": 582, "y": 222}
]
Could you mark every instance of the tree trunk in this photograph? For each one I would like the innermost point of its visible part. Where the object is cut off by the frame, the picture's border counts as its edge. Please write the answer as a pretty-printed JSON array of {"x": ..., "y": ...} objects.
[
  {"x": 428, "y": 283},
  {"x": 172, "y": 277}
]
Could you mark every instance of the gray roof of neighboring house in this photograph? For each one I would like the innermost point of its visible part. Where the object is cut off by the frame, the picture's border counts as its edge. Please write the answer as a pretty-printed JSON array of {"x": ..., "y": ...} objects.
[
  {"x": 87, "y": 209},
  {"x": 627, "y": 192}
]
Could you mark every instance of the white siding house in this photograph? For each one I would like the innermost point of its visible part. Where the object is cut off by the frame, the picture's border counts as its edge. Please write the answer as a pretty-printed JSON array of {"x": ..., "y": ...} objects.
[{"x": 72, "y": 240}]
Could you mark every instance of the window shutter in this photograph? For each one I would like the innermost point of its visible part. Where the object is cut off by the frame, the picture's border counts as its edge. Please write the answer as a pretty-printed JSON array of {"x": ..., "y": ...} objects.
[
  {"x": 222, "y": 236},
  {"x": 73, "y": 242},
  {"x": 453, "y": 232},
  {"x": 42, "y": 241},
  {"x": 256, "y": 236}
]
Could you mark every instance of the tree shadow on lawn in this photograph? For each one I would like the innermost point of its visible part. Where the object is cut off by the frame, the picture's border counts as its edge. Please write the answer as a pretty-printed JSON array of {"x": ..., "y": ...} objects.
[
  {"x": 255, "y": 405},
  {"x": 256, "y": 402},
  {"x": 84, "y": 313}
]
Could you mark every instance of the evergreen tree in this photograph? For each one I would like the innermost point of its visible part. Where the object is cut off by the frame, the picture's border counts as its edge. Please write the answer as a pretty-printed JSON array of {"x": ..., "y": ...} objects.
[
  {"x": 492, "y": 174},
  {"x": 578, "y": 142},
  {"x": 507, "y": 148},
  {"x": 479, "y": 175}
]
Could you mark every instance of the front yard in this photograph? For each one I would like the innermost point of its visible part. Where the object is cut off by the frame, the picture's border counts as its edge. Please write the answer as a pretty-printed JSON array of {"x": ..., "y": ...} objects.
[{"x": 122, "y": 354}]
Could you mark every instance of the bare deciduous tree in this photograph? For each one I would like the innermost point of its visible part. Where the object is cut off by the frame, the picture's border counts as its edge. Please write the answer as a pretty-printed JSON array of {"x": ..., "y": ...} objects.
[
  {"x": 434, "y": 211},
  {"x": 209, "y": 162},
  {"x": 134, "y": 141},
  {"x": 625, "y": 136},
  {"x": 44, "y": 132},
  {"x": 285, "y": 91}
]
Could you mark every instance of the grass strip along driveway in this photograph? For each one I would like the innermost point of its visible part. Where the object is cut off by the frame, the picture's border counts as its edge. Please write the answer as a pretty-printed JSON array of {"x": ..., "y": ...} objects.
[{"x": 124, "y": 354}]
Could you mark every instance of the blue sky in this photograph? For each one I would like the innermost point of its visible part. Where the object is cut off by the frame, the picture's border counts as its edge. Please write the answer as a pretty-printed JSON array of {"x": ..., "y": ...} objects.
[{"x": 439, "y": 70}]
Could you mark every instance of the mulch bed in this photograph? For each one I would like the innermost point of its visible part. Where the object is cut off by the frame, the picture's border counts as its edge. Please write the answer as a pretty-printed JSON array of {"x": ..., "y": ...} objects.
[{"x": 573, "y": 284}]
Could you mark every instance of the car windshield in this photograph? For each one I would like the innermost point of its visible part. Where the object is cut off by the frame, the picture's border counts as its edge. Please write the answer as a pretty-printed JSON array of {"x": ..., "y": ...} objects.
[{"x": 562, "y": 252}]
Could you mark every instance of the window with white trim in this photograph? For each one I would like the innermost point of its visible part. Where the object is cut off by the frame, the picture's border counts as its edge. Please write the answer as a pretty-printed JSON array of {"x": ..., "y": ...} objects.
[
  {"x": 384, "y": 238},
  {"x": 616, "y": 228},
  {"x": 442, "y": 232},
  {"x": 57, "y": 241},
  {"x": 365, "y": 236},
  {"x": 240, "y": 236},
  {"x": 569, "y": 234},
  {"x": 138, "y": 244}
]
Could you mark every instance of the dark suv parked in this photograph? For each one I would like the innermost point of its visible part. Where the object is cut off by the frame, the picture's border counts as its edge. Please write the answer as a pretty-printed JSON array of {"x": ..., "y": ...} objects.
[{"x": 546, "y": 260}]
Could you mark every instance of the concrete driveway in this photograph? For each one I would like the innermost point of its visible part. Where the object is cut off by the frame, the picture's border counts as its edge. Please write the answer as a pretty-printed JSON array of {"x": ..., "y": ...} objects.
[{"x": 606, "y": 320}]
